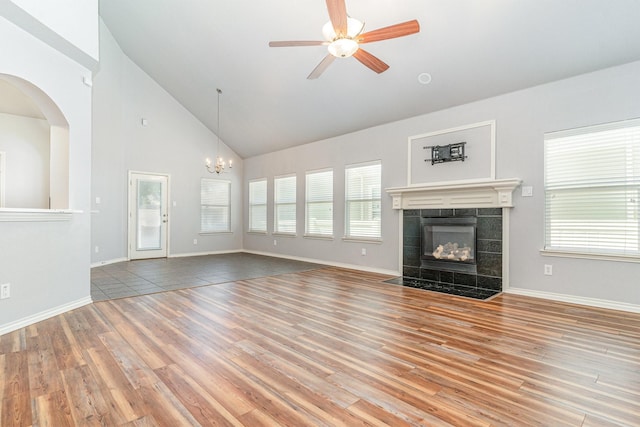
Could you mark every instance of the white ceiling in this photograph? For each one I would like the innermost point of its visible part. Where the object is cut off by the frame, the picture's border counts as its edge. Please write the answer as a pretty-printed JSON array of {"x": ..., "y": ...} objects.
[{"x": 473, "y": 49}]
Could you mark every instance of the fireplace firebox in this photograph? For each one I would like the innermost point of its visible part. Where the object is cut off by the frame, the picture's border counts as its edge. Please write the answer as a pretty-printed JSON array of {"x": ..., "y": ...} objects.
[{"x": 449, "y": 243}]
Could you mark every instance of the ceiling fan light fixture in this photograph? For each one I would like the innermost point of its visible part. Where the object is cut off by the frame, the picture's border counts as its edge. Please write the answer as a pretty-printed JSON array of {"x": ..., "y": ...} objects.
[
  {"x": 354, "y": 27},
  {"x": 343, "y": 48}
]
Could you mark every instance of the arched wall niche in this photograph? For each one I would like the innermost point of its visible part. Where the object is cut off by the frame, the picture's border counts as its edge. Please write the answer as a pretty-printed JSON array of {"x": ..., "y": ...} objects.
[{"x": 34, "y": 148}]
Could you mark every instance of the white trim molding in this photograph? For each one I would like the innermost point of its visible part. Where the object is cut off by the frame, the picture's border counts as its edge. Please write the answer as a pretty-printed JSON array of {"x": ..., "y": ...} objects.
[
  {"x": 456, "y": 133},
  {"x": 43, "y": 315},
  {"x": 572, "y": 299},
  {"x": 188, "y": 254},
  {"x": 36, "y": 215},
  {"x": 496, "y": 193},
  {"x": 107, "y": 262},
  {"x": 328, "y": 263}
]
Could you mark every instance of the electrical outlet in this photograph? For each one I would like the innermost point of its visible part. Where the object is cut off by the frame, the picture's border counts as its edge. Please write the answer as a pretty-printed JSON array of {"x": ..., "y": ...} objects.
[
  {"x": 96, "y": 249},
  {"x": 548, "y": 269},
  {"x": 275, "y": 242},
  {"x": 195, "y": 241},
  {"x": 527, "y": 191},
  {"x": 364, "y": 251},
  {"x": 5, "y": 290}
]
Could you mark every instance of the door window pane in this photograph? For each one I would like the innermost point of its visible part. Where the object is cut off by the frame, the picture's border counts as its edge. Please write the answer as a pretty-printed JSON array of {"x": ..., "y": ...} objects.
[{"x": 149, "y": 227}]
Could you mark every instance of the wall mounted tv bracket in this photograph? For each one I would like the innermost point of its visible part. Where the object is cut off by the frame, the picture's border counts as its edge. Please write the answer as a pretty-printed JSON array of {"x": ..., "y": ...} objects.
[{"x": 446, "y": 153}]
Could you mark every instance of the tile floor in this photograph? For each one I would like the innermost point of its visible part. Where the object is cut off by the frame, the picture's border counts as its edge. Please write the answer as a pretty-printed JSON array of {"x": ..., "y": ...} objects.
[{"x": 131, "y": 278}]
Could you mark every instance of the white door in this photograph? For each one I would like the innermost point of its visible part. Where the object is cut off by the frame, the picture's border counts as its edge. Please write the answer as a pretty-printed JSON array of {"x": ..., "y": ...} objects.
[{"x": 148, "y": 215}]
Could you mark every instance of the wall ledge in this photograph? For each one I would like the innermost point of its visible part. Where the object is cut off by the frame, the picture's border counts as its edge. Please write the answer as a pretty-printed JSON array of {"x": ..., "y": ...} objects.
[{"x": 36, "y": 215}]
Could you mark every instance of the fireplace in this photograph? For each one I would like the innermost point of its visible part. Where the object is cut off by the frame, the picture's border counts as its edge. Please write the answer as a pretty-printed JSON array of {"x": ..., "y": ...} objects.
[
  {"x": 489, "y": 201},
  {"x": 479, "y": 275},
  {"x": 449, "y": 243}
]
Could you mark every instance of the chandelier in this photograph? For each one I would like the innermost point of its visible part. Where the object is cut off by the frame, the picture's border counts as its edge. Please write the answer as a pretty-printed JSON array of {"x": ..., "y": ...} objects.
[{"x": 220, "y": 164}]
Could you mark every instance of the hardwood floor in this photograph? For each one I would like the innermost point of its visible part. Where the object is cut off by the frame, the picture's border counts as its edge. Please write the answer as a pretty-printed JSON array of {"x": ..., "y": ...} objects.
[{"x": 323, "y": 347}]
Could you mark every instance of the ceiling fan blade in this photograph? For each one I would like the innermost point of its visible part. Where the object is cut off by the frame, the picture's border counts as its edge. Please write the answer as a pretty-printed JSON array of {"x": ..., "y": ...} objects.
[
  {"x": 370, "y": 61},
  {"x": 297, "y": 43},
  {"x": 390, "y": 32},
  {"x": 338, "y": 15},
  {"x": 323, "y": 65}
]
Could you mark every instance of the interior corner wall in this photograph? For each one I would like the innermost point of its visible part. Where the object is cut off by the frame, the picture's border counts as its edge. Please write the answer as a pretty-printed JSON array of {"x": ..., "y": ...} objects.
[
  {"x": 522, "y": 118},
  {"x": 47, "y": 262},
  {"x": 172, "y": 142}
]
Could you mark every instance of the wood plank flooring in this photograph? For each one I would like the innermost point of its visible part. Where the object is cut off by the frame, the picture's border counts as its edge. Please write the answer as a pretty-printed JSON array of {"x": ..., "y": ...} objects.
[{"x": 327, "y": 347}]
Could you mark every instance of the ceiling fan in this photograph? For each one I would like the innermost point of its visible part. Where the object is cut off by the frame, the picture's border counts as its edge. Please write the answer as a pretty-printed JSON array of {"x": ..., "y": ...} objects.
[{"x": 344, "y": 35}]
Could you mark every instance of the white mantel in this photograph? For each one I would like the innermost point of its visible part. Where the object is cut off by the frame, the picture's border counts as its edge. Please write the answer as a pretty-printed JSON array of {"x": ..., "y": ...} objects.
[{"x": 493, "y": 193}]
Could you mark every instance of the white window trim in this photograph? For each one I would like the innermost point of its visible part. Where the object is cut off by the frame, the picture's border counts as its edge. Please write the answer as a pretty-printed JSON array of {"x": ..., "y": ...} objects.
[
  {"x": 577, "y": 254},
  {"x": 362, "y": 239},
  {"x": 228, "y": 230},
  {"x": 276, "y": 232},
  {"x": 265, "y": 204},
  {"x": 306, "y": 206}
]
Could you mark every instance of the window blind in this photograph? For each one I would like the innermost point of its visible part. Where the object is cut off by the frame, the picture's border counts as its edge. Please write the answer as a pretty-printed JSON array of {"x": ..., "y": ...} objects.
[
  {"x": 363, "y": 204},
  {"x": 215, "y": 205},
  {"x": 592, "y": 189},
  {"x": 258, "y": 205},
  {"x": 285, "y": 204},
  {"x": 319, "y": 203}
]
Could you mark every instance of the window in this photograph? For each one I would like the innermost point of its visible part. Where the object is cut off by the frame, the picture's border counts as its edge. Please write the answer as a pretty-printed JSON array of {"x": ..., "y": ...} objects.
[
  {"x": 215, "y": 206},
  {"x": 592, "y": 189},
  {"x": 285, "y": 204},
  {"x": 319, "y": 203},
  {"x": 363, "y": 205},
  {"x": 258, "y": 206}
]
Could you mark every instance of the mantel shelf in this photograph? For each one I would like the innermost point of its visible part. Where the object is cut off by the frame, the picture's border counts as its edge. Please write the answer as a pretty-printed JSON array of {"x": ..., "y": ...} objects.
[{"x": 456, "y": 194}]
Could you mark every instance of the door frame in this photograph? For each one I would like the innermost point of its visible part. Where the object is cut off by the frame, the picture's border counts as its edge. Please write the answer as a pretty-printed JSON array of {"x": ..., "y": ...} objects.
[{"x": 130, "y": 219}]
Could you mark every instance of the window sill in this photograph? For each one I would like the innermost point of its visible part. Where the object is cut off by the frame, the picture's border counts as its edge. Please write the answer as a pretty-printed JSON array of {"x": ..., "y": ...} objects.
[
  {"x": 256, "y": 232},
  {"x": 317, "y": 237},
  {"x": 205, "y": 233},
  {"x": 586, "y": 255},
  {"x": 361, "y": 240},
  {"x": 36, "y": 215},
  {"x": 284, "y": 234}
]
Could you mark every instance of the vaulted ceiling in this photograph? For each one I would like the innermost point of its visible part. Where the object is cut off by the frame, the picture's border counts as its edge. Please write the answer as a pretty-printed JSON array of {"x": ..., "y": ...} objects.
[{"x": 472, "y": 49}]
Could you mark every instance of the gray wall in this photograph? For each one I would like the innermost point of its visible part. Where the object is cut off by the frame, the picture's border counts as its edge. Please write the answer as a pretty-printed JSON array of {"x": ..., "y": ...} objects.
[
  {"x": 47, "y": 263},
  {"x": 521, "y": 120},
  {"x": 173, "y": 142}
]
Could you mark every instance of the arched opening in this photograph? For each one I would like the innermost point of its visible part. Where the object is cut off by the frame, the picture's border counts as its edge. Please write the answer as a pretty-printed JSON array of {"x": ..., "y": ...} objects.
[{"x": 34, "y": 148}]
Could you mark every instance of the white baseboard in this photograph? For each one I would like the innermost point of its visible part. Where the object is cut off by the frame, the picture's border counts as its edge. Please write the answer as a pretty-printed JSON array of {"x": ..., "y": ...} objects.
[
  {"x": 231, "y": 251},
  {"x": 43, "y": 315},
  {"x": 329, "y": 263},
  {"x": 592, "y": 302},
  {"x": 111, "y": 261}
]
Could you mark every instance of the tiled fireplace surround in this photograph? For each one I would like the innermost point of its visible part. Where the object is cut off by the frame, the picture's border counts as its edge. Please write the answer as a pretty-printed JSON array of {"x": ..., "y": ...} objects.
[
  {"x": 489, "y": 201},
  {"x": 487, "y": 281}
]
